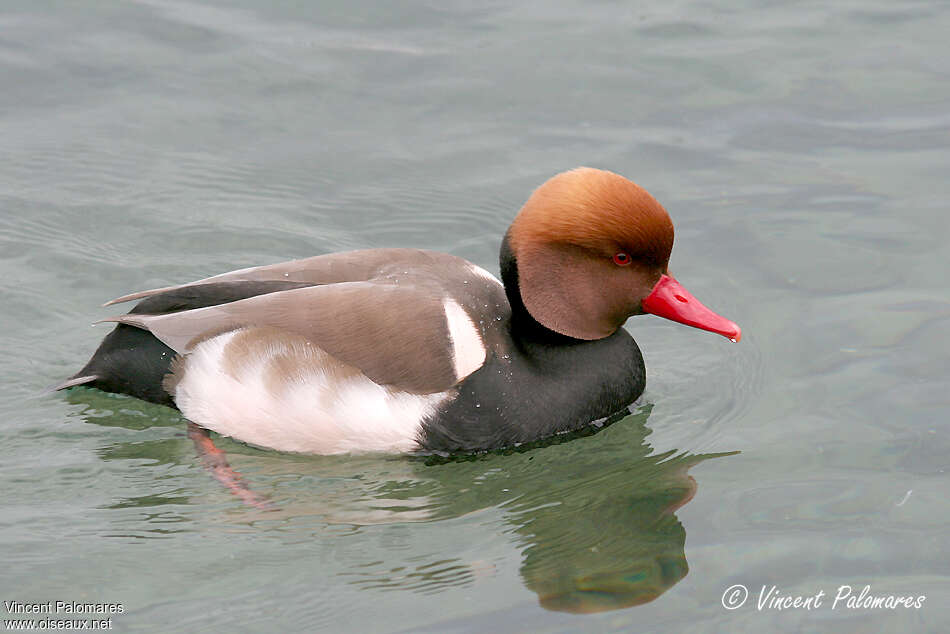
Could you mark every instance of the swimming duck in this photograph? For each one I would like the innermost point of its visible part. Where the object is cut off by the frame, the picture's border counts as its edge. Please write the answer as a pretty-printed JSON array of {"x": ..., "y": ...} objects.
[{"x": 409, "y": 350}]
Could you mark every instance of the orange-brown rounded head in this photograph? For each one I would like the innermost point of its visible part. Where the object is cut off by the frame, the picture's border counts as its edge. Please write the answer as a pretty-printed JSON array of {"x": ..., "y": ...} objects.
[{"x": 591, "y": 248}]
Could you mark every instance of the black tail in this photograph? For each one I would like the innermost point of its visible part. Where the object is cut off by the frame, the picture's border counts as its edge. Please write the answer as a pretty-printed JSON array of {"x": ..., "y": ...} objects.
[
  {"x": 128, "y": 361},
  {"x": 132, "y": 361}
]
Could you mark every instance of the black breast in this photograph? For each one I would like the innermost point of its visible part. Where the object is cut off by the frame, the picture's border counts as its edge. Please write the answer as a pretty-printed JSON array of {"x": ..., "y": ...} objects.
[
  {"x": 538, "y": 391},
  {"x": 535, "y": 382}
]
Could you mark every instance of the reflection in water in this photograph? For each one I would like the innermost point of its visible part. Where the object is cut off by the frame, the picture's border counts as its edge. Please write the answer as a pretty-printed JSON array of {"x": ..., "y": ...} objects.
[
  {"x": 614, "y": 544},
  {"x": 598, "y": 528},
  {"x": 594, "y": 515}
]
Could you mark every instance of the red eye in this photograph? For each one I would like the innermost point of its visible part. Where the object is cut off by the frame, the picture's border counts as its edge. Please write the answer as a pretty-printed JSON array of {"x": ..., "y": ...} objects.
[{"x": 622, "y": 259}]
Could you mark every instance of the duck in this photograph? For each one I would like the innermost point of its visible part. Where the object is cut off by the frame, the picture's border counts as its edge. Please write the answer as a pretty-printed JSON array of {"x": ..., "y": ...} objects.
[{"x": 407, "y": 350}]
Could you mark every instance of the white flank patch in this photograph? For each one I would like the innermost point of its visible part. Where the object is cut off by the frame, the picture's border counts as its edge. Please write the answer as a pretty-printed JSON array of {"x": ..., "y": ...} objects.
[
  {"x": 468, "y": 351},
  {"x": 479, "y": 271},
  {"x": 317, "y": 406}
]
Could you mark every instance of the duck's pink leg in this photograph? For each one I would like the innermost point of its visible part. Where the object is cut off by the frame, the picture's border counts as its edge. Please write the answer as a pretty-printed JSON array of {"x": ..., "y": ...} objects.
[{"x": 215, "y": 462}]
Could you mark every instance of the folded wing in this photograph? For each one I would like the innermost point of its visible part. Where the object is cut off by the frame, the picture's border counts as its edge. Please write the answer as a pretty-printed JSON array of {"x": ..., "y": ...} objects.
[
  {"x": 404, "y": 336},
  {"x": 332, "y": 268}
]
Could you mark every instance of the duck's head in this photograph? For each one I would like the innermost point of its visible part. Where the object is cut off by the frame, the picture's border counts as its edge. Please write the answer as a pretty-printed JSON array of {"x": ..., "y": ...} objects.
[{"x": 592, "y": 249}]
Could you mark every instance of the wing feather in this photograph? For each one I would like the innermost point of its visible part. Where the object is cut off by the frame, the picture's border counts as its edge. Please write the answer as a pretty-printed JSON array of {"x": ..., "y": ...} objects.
[
  {"x": 331, "y": 268},
  {"x": 398, "y": 335}
]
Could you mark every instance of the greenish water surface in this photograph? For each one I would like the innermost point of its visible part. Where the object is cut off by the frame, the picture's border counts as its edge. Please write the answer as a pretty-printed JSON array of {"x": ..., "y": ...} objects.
[{"x": 802, "y": 150}]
